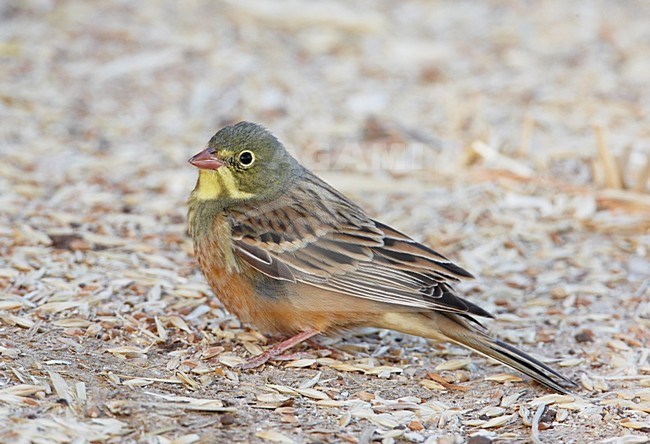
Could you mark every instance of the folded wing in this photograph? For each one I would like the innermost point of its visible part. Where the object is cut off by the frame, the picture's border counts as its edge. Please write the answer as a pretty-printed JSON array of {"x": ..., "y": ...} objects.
[{"x": 316, "y": 236}]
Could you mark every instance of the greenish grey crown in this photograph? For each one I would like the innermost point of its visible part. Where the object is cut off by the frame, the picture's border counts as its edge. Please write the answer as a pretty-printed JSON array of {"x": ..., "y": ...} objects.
[{"x": 273, "y": 170}]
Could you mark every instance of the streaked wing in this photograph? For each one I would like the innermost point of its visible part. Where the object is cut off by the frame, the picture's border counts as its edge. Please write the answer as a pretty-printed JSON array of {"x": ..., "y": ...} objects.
[{"x": 315, "y": 235}]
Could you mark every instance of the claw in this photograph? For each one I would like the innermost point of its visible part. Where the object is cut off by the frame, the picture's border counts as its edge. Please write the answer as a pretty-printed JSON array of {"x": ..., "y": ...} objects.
[{"x": 278, "y": 349}]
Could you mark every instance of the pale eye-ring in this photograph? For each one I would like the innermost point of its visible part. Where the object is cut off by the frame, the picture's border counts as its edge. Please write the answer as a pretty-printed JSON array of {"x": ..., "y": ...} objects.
[{"x": 246, "y": 158}]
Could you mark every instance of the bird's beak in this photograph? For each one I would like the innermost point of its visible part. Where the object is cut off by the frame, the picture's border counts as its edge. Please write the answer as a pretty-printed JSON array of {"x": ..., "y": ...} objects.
[{"x": 205, "y": 161}]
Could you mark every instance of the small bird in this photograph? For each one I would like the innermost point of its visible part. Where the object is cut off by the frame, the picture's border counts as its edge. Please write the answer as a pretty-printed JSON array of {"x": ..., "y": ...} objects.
[{"x": 286, "y": 252}]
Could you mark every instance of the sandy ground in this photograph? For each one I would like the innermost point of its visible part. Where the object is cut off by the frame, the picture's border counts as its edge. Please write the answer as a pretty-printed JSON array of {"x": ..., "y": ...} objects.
[{"x": 510, "y": 136}]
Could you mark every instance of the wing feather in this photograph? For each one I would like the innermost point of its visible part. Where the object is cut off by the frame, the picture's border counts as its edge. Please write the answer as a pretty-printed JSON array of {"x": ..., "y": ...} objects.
[{"x": 315, "y": 235}]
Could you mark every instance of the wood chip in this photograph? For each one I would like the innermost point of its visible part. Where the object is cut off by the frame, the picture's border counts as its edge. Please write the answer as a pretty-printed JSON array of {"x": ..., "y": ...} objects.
[
  {"x": 301, "y": 363},
  {"x": 231, "y": 360},
  {"x": 454, "y": 364},
  {"x": 61, "y": 387},
  {"x": 636, "y": 425},
  {"x": 534, "y": 427},
  {"x": 550, "y": 399},
  {"x": 499, "y": 421},
  {"x": 432, "y": 385},
  {"x": 311, "y": 393},
  {"x": 128, "y": 352},
  {"x": 274, "y": 436},
  {"x": 504, "y": 377}
]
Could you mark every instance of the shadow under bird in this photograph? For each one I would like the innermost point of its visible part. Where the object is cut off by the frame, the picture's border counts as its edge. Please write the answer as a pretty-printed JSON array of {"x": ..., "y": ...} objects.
[{"x": 289, "y": 254}]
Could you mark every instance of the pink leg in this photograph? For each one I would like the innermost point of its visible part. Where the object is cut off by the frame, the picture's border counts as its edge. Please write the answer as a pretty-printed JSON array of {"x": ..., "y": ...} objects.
[
  {"x": 313, "y": 343},
  {"x": 293, "y": 356},
  {"x": 278, "y": 349}
]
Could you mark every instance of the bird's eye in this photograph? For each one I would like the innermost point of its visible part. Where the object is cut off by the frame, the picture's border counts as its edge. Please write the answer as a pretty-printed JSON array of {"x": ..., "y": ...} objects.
[{"x": 246, "y": 158}]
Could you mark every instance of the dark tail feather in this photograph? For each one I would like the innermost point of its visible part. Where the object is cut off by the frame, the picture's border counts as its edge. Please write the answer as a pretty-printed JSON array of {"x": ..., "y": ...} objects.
[
  {"x": 530, "y": 366},
  {"x": 516, "y": 359},
  {"x": 459, "y": 329}
]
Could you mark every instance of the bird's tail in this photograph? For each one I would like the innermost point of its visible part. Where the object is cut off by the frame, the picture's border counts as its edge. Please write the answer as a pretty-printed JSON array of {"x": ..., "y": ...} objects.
[
  {"x": 474, "y": 339},
  {"x": 518, "y": 360},
  {"x": 456, "y": 329}
]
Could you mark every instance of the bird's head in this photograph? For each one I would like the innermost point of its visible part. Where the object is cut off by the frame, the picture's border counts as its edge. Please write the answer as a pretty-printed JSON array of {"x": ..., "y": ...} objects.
[{"x": 243, "y": 162}]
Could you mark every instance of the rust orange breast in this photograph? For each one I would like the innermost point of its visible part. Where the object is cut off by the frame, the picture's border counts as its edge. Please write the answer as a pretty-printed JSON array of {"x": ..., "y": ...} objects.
[
  {"x": 270, "y": 305},
  {"x": 235, "y": 285}
]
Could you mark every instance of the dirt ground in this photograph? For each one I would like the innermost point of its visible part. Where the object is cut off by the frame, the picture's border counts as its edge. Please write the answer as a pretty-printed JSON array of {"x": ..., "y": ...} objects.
[{"x": 511, "y": 136}]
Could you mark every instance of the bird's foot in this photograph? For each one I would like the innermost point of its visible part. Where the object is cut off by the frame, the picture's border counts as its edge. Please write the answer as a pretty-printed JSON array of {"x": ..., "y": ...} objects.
[
  {"x": 294, "y": 356},
  {"x": 327, "y": 350},
  {"x": 278, "y": 349},
  {"x": 257, "y": 361}
]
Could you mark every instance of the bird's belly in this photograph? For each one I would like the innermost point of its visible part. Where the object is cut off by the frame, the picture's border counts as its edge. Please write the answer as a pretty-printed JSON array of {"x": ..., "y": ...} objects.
[
  {"x": 277, "y": 306},
  {"x": 241, "y": 296},
  {"x": 284, "y": 308}
]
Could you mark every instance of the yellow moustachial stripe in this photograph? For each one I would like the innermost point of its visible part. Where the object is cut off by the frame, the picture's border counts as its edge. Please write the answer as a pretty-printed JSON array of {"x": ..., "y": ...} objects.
[{"x": 219, "y": 183}]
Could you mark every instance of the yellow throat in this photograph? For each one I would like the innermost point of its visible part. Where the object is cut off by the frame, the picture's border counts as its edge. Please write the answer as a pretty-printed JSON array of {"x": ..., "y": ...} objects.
[{"x": 213, "y": 184}]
